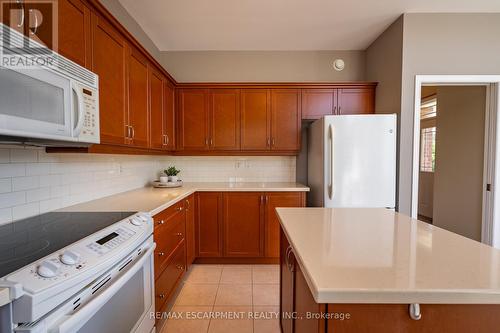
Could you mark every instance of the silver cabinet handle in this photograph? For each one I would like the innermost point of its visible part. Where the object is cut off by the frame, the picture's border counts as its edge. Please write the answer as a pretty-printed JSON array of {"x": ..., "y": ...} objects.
[
  {"x": 206, "y": 141},
  {"x": 334, "y": 110},
  {"x": 19, "y": 25},
  {"x": 133, "y": 131},
  {"x": 161, "y": 222},
  {"x": 273, "y": 142},
  {"x": 414, "y": 310},
  {"x": 330, "y": 142},
  {"x": 268, "y": 142},
  {"x": 289, "y": 251},
  {"x": 167, "y": 139},
  {"x": 211, "y": 142},
  {"x": 188, "y": 204}
]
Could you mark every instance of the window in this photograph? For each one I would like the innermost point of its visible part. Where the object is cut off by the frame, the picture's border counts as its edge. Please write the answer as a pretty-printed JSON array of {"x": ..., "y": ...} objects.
[
  {"x": 428, "y": 108},
  {"x": 428, "y": 149}
]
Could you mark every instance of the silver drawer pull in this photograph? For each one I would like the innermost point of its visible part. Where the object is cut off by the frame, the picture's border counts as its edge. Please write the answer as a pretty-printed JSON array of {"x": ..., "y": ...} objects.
[
  {"x": 161, "y": 222},
  {"x": 161, "y": 254},
  {"x": 161, "y": 295},
  {"x": 179, "y": 234},
  {"x": 414, "y": 310},
  {"x": 180, "y": 267}
]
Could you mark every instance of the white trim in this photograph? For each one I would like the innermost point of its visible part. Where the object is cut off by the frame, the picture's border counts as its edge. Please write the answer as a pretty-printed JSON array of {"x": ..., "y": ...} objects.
[{"x": 489, "y": 235}]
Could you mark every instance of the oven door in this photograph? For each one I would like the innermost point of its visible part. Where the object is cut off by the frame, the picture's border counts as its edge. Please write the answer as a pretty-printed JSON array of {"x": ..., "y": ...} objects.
[
  {"x": 121, "y": 300},
  {"x": 37, "y": 103}
]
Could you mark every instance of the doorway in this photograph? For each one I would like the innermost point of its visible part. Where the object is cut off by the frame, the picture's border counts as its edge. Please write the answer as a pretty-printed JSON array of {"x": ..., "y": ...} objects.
[{"x": 454, "y": 154}]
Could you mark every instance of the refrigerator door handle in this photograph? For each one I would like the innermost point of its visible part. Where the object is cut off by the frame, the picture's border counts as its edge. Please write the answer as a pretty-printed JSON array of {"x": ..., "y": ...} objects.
[{"x": 330, "y": 152}]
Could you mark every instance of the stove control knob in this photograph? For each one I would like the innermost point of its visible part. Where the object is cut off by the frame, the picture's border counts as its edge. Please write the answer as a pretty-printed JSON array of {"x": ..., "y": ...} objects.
[
  {"x": 48, "y": 269},
  {"x": 143, "y": 218},
  {"x": 70, "y": 257},
  {"x": 136, "y": 221}
]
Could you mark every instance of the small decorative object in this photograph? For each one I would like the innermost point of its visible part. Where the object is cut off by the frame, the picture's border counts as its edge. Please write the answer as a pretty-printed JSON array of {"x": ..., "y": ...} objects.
[
  {"x": 159, "y": 184},
  {"x": 163, "y": 179},
  {"x": 172, "y": 173}
]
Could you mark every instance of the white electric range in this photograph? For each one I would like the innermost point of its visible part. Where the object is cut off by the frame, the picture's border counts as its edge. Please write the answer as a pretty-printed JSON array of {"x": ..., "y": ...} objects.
[{"x": 78, "y": 272}]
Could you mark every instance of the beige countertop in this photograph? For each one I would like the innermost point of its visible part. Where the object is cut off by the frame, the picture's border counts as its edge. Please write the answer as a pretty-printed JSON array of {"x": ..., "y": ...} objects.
[
  {"x": 379, "y": 256},
  {"x": 154, "y": 200}
]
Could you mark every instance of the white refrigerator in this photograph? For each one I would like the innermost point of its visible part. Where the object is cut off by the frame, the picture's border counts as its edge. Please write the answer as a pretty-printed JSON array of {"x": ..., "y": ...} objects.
[{"x": 352, "y": 161}]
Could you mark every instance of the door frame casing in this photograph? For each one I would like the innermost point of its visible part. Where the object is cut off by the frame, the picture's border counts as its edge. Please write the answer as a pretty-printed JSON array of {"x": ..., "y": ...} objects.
[{"x": 490, "y": 229}]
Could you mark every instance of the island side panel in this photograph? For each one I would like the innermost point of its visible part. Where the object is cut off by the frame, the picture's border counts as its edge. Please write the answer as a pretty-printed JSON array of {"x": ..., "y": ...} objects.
[{"x": 394, "y": 318}]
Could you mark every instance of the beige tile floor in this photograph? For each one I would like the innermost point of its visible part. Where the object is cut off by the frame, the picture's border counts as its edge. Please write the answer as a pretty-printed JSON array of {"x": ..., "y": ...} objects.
[{"x": 227, "y": 298}]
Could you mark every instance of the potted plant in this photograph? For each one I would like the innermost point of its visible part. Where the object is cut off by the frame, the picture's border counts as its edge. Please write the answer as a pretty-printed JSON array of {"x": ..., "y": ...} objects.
[{"x": 172, "y": 173}]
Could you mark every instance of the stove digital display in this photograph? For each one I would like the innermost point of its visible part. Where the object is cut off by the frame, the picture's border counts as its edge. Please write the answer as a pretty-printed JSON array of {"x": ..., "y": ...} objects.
[{"x": 107, "y": 238}]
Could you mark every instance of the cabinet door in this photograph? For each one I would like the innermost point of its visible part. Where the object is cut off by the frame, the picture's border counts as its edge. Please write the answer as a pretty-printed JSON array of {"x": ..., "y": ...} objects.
[
  {"x": 109, "y": 62},
  {"x": 305, "y": 303},
  {"x": 317, "y": 103},
  {"x": 255, "y": 119},
  {"x": 138, "y": 111},
  {"x": 356, "y": 101},
  {"x": 285, "y": 119},
  {"x": 225, "y": 119},
  {"x": 209, "y": 224},
  {"x": 190, "y": 230},
  {"x": 193, "y": 119},
  {"x": 274, "y": 200},
  {"x": 287, "y": 284},
  {"x": 169, "y": 115},
  {"x": 157, "y": 138},
  {"x": 74, "y": 31},
  {"x": 38, "y": 22},
  {"x": 243, "y": 224}
]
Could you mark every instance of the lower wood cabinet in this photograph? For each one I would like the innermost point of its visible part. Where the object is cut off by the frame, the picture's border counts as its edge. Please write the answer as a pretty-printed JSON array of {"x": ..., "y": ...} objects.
[
  {"x": 209, "y": 224},
  {"x": 243, "y": 224},
  {"x": 189, "y": 204}
]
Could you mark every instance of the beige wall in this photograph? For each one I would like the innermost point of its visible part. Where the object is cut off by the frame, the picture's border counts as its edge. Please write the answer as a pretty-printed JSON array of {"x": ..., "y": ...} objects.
[
  {"x": 458, "y": 179},
  {"x": 263, "y": 66},
  {"x": 460, "y": 44},
  {"x": 121, "y": 14}
]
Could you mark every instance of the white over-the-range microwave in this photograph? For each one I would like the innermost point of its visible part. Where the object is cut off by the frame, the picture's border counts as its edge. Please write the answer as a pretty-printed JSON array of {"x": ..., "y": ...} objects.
[{"x": 52, "y": 104}]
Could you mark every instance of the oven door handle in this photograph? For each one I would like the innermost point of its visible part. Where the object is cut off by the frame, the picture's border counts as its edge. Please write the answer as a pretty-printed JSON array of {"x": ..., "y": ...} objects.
[
  {"x": 78, "y": 113},
  {"x": 75, "y": 321}
]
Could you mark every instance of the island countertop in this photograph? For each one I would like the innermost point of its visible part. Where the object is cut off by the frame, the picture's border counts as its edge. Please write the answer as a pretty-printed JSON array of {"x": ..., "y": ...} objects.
[{"x": 351, "y": 255}]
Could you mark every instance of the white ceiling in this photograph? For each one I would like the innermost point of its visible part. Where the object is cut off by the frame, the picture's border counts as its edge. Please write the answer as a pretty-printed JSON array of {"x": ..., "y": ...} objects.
[{"x": 200, "y": 25}]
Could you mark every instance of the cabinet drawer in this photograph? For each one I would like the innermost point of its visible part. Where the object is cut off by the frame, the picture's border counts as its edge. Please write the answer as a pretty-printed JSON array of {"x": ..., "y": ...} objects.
[
  {"x": 167, "y": 281},
  {"x": 164, "y": 216},
  {"x": 167, "y": 238}
]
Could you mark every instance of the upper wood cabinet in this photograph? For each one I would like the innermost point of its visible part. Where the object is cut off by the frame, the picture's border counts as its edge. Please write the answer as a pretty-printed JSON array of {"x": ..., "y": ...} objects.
[
  {"x": 193, "y": 119},
  {"x": 285, "y": 119},
  {"x": 356, "y": 101},
  {"x": 74, "y": 40},
  {"x": 169, "y": 114},
  {"x": 156, "y": 100},
  {"x": 255, "y": 119},
  {"x": 138, "y": 111},
  {"x": 209, "y": 119},
  {"x": 109, "y": 61},
  {"x": 243, "y": 224},
  {"x": 317, "y": 103},
  {"x": 224, "y": 133}
]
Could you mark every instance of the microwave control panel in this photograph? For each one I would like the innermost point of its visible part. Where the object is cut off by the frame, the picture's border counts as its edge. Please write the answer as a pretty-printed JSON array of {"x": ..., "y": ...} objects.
[{"x": 90, "y": 129}]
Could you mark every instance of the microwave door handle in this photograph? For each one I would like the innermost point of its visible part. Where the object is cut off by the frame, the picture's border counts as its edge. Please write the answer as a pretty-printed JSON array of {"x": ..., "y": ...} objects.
[
  {"x": 79, "y": 97},
  {"x": 73, "y": 322}
]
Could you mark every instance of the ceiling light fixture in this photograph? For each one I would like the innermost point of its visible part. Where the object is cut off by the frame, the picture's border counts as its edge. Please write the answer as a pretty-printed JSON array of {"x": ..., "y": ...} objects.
[{"x": 338, "y": 64}]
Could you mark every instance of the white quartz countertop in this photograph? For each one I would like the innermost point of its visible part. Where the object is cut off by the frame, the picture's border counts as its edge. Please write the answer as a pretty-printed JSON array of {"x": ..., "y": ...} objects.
[
  {"x": 351, "y": 255},
  {"x": 154, "y": 200}
]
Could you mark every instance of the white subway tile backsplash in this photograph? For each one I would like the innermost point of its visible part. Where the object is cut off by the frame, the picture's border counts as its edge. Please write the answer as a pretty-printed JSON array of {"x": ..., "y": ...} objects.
[
  {"x": 25, "y": 183},
  {"x": 23, "y": 211},
  {"x": 12, "y": 170},
  {"x": 23, "y": 155},
  {"x": 34, "y": 182},
  {"x": 12, "y": 199}
]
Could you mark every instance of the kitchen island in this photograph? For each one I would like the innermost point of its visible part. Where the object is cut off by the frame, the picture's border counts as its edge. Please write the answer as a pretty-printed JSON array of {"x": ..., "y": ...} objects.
[{"x": 374, "y": 270}]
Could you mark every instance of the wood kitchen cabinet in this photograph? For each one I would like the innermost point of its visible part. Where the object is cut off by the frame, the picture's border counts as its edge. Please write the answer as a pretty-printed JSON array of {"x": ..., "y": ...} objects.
[
  {"x": 209, "y": 119},
  {"x": 317, "y": 103},
  {"x": 193, "y": 119},
  {"x": 287, "y": 284},
  {"x": 109, "y": 61},
  {"x": 243, "y": 224},
  {"x": 169, "y": 114},
  {"x": 74, "y": 31},
  {"x": 209, "y": 224},
  {"x": 189, "y": 204},
  {"x": 285, "y": 119},
  {"x": 274, "y": 200},
  {"x": 138, "y": 110},
  {"x": 224, "y": 133},
  {"x": 156, "y": 100},
  {"x": 255, "y": 119}
]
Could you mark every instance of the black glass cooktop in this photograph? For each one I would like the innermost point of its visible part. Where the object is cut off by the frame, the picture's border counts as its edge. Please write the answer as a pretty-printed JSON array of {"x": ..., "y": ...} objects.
[{"x": 25, "y": 241}]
